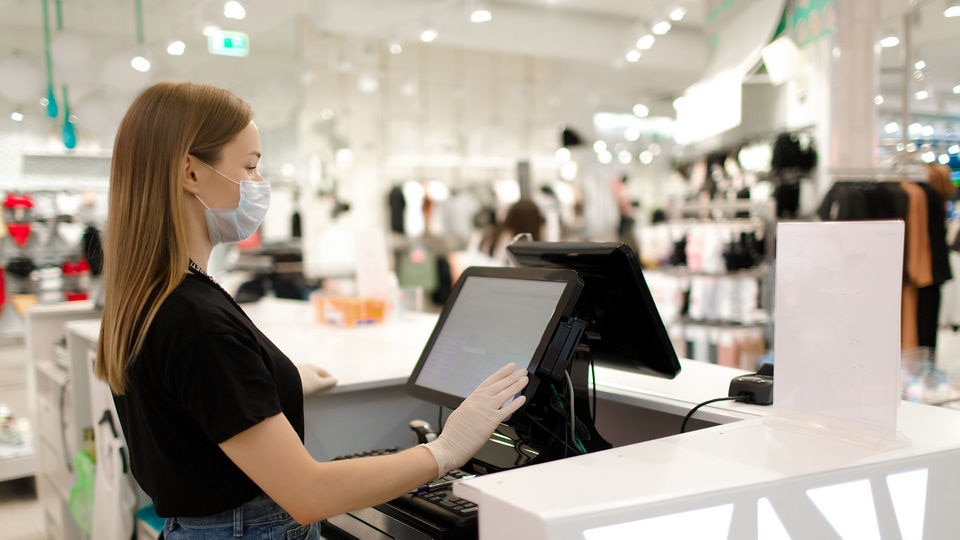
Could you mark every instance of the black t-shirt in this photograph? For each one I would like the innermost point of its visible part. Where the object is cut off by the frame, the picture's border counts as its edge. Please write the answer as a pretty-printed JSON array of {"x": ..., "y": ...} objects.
[{"x": 205, "y": 374}]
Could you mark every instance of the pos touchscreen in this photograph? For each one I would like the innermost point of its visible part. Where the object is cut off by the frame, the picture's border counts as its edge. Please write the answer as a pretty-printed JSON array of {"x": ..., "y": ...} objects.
[{"x": 493, "y": 316}]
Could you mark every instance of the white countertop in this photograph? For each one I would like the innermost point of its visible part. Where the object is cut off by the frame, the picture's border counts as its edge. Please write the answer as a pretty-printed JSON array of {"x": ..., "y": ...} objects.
[
  {"x": 359, "y": 357},
  {"x": 720, "y": 458}
]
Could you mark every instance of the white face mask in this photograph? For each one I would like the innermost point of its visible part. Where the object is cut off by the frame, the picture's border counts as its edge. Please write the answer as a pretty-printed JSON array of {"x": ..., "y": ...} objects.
[{"x": 227, "y": 225}]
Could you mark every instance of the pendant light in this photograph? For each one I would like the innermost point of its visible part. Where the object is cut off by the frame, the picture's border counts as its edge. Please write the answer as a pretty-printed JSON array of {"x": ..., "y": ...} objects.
[
  {"x": 52, "y": 109},
  {"x": 69, "y": 131}
]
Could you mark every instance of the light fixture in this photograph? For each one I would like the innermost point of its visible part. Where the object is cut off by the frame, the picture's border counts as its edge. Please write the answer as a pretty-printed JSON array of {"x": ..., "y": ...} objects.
[
  {"x": 646, "y": 41},
  {"x": 956, "y": 89},
  {"x": 954, "y": 149},
  {"x": 890, "y": 128},
  {"x": 889, "y": 40},
  {"x": 234, "y": 10},
  {"x": 210, "y": 30},
  {"x": 660, "y": 27},
  {"x": 429, "y": 34},
  {"x": 633, "y": 55},
  {"x": 16, "y": 116},
  {"x": 395, "y": 47},
  {"x": 953, "y": 9},
  {"x": 646, "y": 157},
  {"x": 176, "y": 48},
  {"x": 926, "y": 131},
  {"x": 919, "y": 64},
  {"x": 678, "y": 13},
  {"x": 928, "y": 156},
  {"x": 140, "y": 63},
  {"x": 878, "y": 100},
  {"x": 479, "y": 11},
  {"x": 600, "y": 146},
  {"x": 921, "y": 95},
  {"x": 943, "y": 159},
  {"x": 641, "y": 110},
  {"x": 624, "y": 157}
]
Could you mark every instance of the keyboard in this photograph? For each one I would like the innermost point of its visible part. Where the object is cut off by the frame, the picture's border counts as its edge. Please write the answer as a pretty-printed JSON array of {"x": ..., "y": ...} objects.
[{"x": 439, "y": 506}]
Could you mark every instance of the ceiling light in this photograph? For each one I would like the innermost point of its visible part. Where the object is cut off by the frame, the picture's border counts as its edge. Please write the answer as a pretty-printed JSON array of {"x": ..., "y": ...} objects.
[
  {"x": 210, "y": 29},
  {"x": 943, "y": 159},
  {"x": 632, "y": 133},
  {"x": 645, "y": 42},
  {"x": 176, "y": 48},
  {"x": 889, "y": 41},
  {"x": 928, "y": 156},
  {"x": 678, "y": 13},
  {"x": 624, "y": 156},
  {"x": 17, "y": 116},
  {"x": 395, "y": 47},
  {"x": 914, "y": 129},
  {"x": 954, "y": 149},
  {"x": 878, "y": 100},
  {"x": 646, "y": 157},
  {"x": 600, "y": 146},
  {"x": 633, "y": 55},
  {"x": 562, "y": 154},
  {"x": 926, "y": 131},
  {"x": 641, "y": 110},
  {"x": 234, "y": 10},
  {"x": 920, "y": 64},
  {"x": 953, "y": 9},
  {"x": 604, "y": 157},
  {"x": 956, "y": 89},
  {"x": 429, "y": 34},
  {"x": 140, "y": 64},
  {"x": 891, "y": 127},
  {"x": 479, "y": 11},
  {"x": 921, "y": 94},
  {"x": 661, "y": 27}
]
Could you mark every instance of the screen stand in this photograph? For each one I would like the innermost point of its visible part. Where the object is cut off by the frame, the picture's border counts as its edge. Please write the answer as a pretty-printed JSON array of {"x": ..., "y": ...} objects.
[{"x": 540, "y": 431}]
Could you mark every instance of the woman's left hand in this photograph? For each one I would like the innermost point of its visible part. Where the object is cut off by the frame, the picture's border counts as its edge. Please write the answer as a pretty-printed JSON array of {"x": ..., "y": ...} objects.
[{"x": 315, "y": 379}]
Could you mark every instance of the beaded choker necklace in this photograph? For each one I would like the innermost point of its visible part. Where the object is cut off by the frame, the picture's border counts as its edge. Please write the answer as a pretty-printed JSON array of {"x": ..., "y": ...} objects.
[{"x": 196, "y": 269}]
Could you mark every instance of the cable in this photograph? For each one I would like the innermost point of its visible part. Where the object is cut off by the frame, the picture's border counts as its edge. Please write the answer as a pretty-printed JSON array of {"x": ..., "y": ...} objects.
[
  {"x": 683, "y": 426},
  {"x": 573, "y": 412}
]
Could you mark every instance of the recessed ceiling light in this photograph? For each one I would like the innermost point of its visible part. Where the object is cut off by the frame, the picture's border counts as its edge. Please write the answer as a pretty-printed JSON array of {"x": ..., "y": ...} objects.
[
  {"x": 176, "y": 48},
  {"x": 661, "y": 27},
  {"x": 678, "y": 13},
  {"x": 646, "y": 41},
  {"x": 234, "y": 10}
]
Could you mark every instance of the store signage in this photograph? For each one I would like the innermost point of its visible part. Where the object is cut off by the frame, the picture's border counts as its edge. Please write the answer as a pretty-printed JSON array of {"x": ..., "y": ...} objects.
[{"x": 228, "y": 43}]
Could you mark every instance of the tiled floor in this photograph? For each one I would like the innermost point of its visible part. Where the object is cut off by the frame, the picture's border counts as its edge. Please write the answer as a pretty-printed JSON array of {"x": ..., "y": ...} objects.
[{"x": 21, "y": 518}]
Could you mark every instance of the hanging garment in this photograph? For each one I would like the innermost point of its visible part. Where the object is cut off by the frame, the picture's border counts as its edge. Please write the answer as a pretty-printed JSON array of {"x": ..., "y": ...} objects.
[{"x": 917, "y": 263}]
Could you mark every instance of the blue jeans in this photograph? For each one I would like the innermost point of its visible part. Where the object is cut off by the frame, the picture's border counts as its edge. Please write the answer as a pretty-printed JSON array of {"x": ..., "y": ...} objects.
[{"x": 259, "y": 518}]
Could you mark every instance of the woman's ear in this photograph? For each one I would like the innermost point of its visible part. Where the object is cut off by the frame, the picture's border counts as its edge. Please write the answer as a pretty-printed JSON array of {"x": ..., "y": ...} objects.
[{"x": 190, "y": 180}]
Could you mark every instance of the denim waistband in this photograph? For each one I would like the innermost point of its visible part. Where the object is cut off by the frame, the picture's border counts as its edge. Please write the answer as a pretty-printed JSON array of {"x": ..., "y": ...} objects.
[{"x": 259, "y": 510}]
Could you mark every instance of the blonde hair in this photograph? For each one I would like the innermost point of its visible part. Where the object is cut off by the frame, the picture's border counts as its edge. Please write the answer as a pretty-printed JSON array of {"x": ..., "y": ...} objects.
[{"x": 145, "y": 241}]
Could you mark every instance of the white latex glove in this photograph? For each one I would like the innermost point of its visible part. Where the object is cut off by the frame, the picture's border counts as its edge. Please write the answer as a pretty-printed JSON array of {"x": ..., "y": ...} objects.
[
  {"x": 315, "y": 378},
  {"x": 470, "y": 425}
]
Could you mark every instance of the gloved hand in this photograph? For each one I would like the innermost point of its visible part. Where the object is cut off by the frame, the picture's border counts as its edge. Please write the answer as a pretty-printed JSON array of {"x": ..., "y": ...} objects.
[
  {"x": 315, "y": 378},
  {"x": 470, "y": 425}
]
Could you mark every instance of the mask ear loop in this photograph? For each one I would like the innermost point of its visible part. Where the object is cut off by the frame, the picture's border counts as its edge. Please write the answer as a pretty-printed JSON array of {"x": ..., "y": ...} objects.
[
  {"x": 201, "y": 201},
  {"x": 524, "y": 236}
]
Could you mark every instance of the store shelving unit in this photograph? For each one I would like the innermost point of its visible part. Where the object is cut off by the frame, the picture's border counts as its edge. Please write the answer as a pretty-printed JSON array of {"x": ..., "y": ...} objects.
[{"x": 61, "y": 396}]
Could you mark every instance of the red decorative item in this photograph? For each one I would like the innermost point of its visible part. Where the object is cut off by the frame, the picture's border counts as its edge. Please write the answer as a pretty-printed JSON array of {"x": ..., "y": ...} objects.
[
  {"x": 14, "y": 201},
  {"x": 20, "y": 232}
]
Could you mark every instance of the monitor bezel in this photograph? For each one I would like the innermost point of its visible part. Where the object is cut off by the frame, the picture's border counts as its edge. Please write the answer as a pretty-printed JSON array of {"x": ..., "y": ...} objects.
[
  {"x": 665, "y": 363},
  {"x": 568, "y": 299}
]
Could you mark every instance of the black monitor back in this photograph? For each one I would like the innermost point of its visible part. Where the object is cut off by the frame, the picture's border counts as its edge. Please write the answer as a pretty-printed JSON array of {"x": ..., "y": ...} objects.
[{"x": 624, "y": 328}]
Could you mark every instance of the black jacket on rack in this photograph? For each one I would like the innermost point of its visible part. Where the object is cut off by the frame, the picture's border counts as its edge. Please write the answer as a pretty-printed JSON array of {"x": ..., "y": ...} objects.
[{"x": 878, "y": 200}]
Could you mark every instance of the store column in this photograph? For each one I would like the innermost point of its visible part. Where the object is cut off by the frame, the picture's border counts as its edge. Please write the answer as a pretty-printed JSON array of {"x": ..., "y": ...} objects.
[{"x": 853, "y": 87}]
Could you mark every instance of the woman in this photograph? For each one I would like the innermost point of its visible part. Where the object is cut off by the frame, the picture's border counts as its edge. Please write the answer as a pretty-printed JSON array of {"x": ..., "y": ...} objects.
[
  {"x": 522, "y": 217},
  {"x": 211, "y": 410}
]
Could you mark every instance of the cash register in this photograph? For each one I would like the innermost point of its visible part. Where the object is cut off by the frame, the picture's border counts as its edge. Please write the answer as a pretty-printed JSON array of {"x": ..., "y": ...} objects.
[{"x": 564, "y": 307}]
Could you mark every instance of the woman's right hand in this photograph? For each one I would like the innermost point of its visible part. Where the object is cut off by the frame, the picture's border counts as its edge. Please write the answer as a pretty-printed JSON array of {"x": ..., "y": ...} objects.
[{"x": 470, "y": 425}]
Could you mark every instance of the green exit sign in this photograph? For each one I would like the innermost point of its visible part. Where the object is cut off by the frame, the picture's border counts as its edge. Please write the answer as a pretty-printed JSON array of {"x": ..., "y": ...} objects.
[{"x": 228, "y": 43}]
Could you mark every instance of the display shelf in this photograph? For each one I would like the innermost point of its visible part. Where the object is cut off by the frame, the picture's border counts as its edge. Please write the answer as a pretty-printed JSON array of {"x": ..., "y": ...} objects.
[{"x": 17, "y": 452}]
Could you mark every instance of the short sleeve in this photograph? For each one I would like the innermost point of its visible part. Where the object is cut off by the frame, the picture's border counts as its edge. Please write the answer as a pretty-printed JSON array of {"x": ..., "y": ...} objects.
[{"x": 223, "y": 382}]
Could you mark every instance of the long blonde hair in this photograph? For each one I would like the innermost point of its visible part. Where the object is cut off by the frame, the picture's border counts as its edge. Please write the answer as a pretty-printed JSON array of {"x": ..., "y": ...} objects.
[{"x": 145, "y": 242}]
